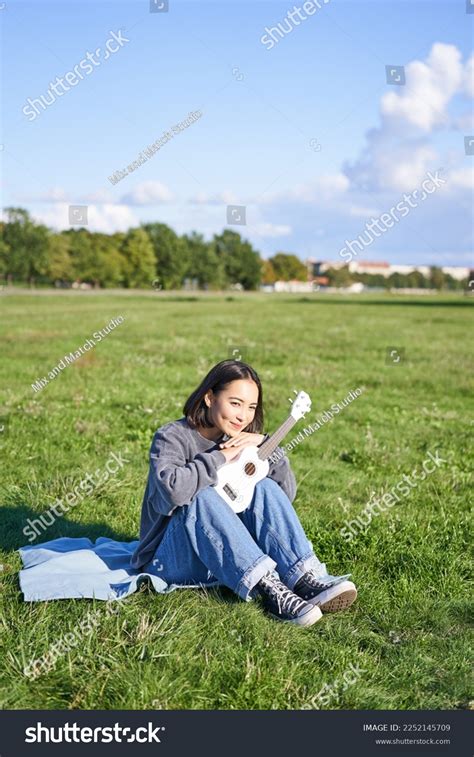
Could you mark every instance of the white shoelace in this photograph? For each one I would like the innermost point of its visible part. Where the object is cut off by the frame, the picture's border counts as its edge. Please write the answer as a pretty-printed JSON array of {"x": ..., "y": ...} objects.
[{"x": 284, "y": 597}]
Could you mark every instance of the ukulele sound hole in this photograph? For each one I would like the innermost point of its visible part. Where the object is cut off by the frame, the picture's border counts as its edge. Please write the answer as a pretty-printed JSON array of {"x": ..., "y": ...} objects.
[{"x": 250, "y": 469}]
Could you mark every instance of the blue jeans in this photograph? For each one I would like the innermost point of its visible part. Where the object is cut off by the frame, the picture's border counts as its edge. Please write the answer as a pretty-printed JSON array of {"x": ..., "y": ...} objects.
[{"x": 207, "y": 544}]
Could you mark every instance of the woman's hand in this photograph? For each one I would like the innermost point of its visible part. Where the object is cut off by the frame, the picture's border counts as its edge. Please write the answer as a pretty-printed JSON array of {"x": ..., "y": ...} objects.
[
  {"x": 230, "y": 453},
  {"x": 243, "y": 439}
]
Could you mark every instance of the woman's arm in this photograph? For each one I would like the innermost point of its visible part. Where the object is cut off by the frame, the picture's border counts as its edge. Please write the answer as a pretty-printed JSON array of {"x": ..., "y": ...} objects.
[{"x": 175, "y": 480}]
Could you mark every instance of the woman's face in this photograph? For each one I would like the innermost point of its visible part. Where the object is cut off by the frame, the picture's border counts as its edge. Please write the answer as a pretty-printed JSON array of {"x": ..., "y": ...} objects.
[{"x": 232, "y": 409}]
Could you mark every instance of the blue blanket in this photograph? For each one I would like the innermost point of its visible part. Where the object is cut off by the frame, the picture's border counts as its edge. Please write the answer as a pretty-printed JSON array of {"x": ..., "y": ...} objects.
[{"x": 77, "y": 568}]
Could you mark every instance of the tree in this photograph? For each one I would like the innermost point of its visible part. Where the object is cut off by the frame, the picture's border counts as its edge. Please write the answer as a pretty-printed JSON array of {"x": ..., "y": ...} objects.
[
  {"x": 240, "y": 261},
  {"x": 268, "y": 272},
  {"x": 288, "y": 267},
  {"x": 85, "y": 266},
  {"x": 396, "y": 281},
  {"x": 4, "y": 252},
  {"x": 416, "y": 280},
  {"x": 457, "y": 284},
  {"x": 110, "y": 261},
  {"x": 204, "y": 263},
  {"x": 138, "y": 259},
  {"x": 437, "y": 278},
  {"x": 171, "y": 254},
  {"x": 28, "y": 246},
  {"x": 59, "y": 259},
  {"x": 339, "y": 277}
]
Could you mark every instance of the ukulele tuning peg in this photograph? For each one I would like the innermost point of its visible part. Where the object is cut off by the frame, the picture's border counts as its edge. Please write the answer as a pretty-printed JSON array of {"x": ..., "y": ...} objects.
[
  {"x": 295, "y": 391},
  {"x": 289, "y": 399}
]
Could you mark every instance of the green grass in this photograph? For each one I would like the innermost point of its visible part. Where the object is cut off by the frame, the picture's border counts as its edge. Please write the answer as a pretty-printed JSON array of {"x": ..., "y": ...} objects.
[{"x": 408, "y": 632}]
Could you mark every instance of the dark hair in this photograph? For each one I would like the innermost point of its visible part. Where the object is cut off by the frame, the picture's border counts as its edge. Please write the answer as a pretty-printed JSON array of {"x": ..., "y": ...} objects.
[{"x": 195, "y": 408}]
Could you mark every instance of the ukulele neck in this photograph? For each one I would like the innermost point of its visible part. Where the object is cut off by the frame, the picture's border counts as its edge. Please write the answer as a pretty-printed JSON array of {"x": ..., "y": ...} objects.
[{"x": 272, "y": 443}]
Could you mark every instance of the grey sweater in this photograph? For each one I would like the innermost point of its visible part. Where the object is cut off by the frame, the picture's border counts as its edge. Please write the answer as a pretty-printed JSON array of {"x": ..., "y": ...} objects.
[{"x": 182, "y": 462}]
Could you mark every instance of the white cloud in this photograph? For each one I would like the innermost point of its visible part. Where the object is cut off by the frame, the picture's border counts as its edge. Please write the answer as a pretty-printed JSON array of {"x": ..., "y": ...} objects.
[
  {"x": 111, "y": 217},
  {"x": 201, "y": 198},
  {"x": 468, "y": 78},
  {"x": 59, "y": 194},
  {"x": 332, "y": 184},
  {"x": 271, "y": 230},
  {"x": 324, "y": 188},
  {"x": 100, "y": 196},
  {"x": 461, "y": 177},
  {"x": 464, "y": 122},
  {"x": 406, "y": 169},
  {"x": 107, "y": 218},
  {"x": 55, "y": 194},
  {"x": 389, "y": 163},
  {"x": 148, "y": 193},
  {"x": 399, "y": 153},
  {"x": 357, "y": 211},
  {"x": 429, "y": 87},
  {"x": 226, "y": 197},
  {"x": 56, "y": 216}
]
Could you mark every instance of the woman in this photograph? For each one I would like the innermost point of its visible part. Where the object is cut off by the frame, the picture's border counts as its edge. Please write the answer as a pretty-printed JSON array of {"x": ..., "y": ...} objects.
[{"x": 190, "y": 536}]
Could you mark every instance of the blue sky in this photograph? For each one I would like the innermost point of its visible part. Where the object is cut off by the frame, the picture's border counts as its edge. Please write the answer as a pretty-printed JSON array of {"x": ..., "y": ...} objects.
[{"x": 308, "y": 135}]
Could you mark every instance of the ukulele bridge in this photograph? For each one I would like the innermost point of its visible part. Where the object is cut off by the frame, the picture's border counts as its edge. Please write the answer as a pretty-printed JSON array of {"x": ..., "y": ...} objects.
[{"x": 230, "y": 492}]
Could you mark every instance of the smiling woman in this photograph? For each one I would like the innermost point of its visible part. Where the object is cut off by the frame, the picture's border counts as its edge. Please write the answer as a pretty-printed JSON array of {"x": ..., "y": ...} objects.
[
  {"x": 194, "y": 537},
  {"x": 228, "y": 400}
]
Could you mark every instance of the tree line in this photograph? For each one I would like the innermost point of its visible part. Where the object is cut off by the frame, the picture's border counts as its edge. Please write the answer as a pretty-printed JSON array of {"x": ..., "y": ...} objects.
[
  {"x": 34, "y": 254},
  {"x": 436, "y": 279}
]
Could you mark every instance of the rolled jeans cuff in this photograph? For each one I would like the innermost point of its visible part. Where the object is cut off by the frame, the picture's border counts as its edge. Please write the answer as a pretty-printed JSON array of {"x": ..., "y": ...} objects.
[
  {"x": 309, "y": 562},
  {"x": 253, "y": 575}
]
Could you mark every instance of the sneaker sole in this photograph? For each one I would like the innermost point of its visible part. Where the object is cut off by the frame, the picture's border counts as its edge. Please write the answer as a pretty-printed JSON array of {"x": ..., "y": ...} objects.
[
  {"x": 305, "y": 620},
  {"x": 336, "y": 598}
]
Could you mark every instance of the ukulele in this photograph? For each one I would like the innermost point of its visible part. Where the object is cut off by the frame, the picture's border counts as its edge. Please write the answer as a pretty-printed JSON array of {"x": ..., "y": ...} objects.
[{"x": 236, "y": 480}]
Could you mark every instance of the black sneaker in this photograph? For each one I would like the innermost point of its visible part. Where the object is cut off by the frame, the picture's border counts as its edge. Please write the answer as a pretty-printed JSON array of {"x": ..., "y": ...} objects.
[
  {"x": 328, "y": 593},
  {"x": 283, "y": 604}
]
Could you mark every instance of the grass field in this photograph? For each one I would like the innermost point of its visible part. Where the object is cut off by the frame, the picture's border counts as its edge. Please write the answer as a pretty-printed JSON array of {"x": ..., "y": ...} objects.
[{"x": 407, "y": 635}]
